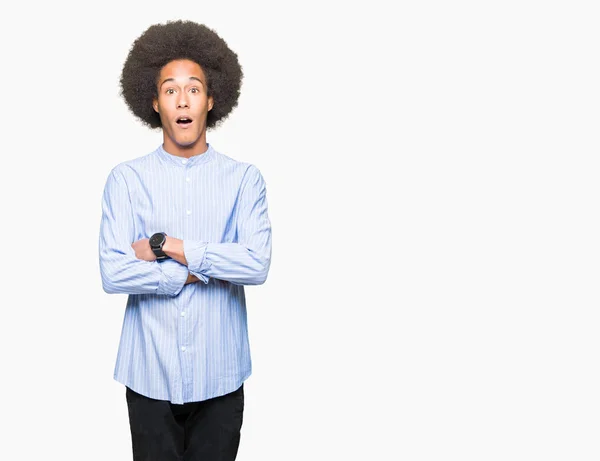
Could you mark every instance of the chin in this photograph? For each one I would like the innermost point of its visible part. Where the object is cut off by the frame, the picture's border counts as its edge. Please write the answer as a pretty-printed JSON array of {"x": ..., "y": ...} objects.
[{"x": 187, "y": 142}]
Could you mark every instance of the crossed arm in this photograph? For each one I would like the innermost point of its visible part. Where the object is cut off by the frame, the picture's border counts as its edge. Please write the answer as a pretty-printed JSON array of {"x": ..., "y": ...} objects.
[
  {"x": 132, "y": 267},
  {"x": 173, "y": 247}
]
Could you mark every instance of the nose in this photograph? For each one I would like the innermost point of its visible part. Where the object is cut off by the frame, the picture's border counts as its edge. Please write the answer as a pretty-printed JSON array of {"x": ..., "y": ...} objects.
[{"x": 182, "y": 101}]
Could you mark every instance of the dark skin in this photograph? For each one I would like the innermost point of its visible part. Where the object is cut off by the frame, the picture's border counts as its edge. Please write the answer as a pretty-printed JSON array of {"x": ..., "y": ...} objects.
[{"x": 182, "y": 91}]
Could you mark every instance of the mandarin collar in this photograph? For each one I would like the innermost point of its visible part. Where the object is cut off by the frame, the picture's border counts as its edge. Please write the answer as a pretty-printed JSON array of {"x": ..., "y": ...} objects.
[{"x": 184, "y": 162}]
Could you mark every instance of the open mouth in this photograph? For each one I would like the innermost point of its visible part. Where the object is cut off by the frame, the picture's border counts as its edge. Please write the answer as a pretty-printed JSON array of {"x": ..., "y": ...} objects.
[{"x": 184, "y": 122}]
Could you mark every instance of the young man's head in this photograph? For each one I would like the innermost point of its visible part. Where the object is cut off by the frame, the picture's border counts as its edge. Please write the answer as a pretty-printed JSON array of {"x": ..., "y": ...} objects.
[
  {"x": 183, "y": 104},
  {"x": 181, "y": 77}
]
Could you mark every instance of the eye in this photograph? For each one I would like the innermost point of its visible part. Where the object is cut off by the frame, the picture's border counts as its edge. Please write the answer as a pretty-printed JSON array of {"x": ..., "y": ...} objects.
[
  {"x": 194, "y": 90},
  {"x": 170, "y": 91}
]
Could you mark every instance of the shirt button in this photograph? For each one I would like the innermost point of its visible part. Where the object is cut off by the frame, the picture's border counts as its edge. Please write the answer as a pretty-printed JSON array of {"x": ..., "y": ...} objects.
[
  {"x": 189, "y": 211},
  {"x": 187, "y": 179},
  {"x": 182, "y": 348},
  {"x": 184, "y": 161},
  {"x": 183, "y": 314}
]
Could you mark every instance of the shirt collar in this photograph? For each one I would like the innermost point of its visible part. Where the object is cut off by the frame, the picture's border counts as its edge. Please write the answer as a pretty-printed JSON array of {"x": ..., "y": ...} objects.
[{"x": 182, "y": 161}]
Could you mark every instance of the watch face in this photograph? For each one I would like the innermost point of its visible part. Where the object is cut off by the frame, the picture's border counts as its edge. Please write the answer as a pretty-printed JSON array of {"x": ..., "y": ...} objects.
[{"x": 156, "y": 239}]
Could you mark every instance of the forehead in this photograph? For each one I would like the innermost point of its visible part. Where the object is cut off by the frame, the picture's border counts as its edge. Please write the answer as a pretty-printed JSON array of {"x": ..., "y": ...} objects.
[{"x": 181, "y": 69}]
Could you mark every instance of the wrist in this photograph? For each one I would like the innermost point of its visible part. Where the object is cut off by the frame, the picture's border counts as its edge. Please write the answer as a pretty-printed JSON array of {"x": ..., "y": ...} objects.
[
  {"x": 169, "y": 246},
  {"x": 173, "y": 247},
  {"x": 156, "y": 243}
]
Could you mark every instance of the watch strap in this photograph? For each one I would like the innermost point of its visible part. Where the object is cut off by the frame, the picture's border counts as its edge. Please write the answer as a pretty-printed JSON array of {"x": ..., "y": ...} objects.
[{"x": 159, "y": 254}]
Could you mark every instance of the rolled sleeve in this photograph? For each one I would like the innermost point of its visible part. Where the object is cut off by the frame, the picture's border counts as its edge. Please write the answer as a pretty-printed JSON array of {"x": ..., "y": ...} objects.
[
  {"x": 195, "y": 255},
  {"x": 173, "y": 277}
]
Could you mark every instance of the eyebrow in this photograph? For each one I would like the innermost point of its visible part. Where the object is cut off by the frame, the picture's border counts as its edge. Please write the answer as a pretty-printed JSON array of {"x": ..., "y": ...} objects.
[{"x": 172, "y": 80}]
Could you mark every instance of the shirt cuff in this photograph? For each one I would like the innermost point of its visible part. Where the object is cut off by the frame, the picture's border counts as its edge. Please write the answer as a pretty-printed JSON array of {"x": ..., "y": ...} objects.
[
  {"x": 195, "y": 255},
  {"x": 172, "y": 278}
]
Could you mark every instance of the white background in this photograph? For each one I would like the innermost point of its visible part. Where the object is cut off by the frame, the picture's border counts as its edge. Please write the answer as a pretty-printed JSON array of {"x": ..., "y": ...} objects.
[{"x": 432, "y": 176}]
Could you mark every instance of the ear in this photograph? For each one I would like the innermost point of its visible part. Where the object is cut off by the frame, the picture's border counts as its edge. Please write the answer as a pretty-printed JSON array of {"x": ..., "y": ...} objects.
[
  {"x": 210, "y": 103},
  {"x": 155, "y": 104}
]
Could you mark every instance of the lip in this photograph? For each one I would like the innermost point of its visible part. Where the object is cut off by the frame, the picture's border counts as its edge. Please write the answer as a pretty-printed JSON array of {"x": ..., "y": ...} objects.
[{"x": 184, "y": 126}]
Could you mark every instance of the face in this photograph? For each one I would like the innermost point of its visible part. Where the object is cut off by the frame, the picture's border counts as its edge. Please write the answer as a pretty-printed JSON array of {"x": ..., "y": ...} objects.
[{"x": 183, "y": 105}]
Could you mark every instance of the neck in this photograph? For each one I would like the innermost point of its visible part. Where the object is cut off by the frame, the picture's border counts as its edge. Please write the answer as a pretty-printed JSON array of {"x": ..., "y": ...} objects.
[{"x": 197, "y": 148}]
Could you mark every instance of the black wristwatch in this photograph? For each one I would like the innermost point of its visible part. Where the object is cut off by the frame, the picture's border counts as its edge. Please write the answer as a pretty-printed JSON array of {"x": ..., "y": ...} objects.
[{"x": 156, "y": 243}]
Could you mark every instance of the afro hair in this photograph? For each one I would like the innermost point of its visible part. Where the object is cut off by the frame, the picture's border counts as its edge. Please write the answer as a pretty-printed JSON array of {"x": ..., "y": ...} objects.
[{"x": 163, "y": 43}]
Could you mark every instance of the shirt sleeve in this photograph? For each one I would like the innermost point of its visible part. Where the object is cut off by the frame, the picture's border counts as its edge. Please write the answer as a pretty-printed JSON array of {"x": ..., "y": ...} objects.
[
  {"x": 247, "y": 261},
  {"x": 120, "y": 270}
]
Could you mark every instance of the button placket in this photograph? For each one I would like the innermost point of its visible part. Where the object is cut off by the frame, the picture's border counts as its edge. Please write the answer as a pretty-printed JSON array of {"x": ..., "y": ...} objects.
[
  {"x": 183, "y": 327},
  {"x": 188, "y": 210}
]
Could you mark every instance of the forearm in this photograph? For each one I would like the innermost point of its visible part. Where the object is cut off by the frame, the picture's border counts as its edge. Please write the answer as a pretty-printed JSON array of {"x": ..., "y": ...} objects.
[
  {"x": 122, "y": 273},
  {"x": 232, "y": 262},
  {"x": 173, "y": 247}
]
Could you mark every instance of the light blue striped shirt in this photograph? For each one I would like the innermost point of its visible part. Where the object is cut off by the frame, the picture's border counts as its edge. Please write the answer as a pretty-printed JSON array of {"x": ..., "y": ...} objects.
[{"x": 185, "y": 343}]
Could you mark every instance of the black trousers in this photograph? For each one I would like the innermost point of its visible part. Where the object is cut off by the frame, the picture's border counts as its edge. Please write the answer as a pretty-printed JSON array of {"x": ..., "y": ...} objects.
[{"x": 195, "y": 431}]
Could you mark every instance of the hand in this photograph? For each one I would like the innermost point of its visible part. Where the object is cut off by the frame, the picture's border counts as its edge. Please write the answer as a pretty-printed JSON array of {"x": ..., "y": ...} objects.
[
  {"x": 143, "y": 250},
  {"x": 191, "y": 279}
]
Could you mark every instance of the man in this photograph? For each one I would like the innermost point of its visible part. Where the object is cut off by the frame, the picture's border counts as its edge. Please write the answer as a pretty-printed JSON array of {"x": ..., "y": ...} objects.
[{"x": 183, "y": 229}]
